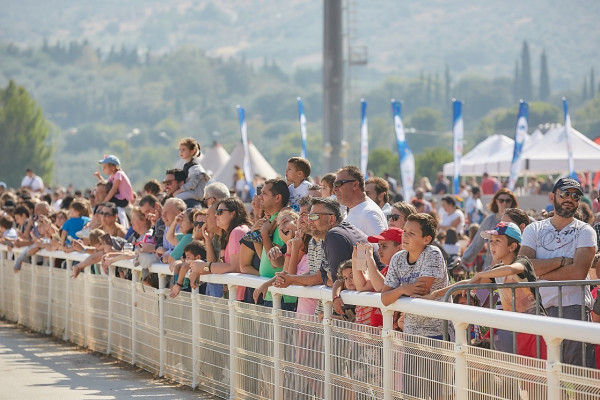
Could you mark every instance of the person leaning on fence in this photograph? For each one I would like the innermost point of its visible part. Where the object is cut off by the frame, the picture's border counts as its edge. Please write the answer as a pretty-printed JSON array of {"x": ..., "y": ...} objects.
[
  {"x": 562, "y": 248},
  {"x": 416, "y": 270}
]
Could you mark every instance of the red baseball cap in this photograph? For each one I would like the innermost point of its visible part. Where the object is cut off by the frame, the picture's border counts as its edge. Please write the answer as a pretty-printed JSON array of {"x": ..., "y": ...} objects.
[{"x": 393, "y": 234}]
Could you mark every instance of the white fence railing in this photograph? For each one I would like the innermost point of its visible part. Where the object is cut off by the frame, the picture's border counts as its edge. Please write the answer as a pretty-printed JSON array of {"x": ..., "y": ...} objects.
[{"x": 238, "y": 350}]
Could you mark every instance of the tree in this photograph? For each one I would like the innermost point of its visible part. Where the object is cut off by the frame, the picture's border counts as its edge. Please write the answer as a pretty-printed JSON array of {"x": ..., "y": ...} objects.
[
  {"x": 544, "y": 78},
  {"x": 526, "y": 87},
  {"x": 516, "y": 82},
  {"x": 592, "y": 84},
  {"x": 24, "y": 135},
  {"x": 431, "y": 161},
  {"x": 382, "y": 161}
]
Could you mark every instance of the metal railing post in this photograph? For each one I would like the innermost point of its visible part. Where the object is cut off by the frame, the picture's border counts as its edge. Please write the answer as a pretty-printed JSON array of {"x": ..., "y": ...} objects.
[
  {"x": 86, "y": 305},
  {"x": 327, "y": 392},
  {"x": 68, "y": 271},
  {"x": 232, "y": 341},
  {"x": 386, "y": 337},
  {"x": 51, "y": 261},
  {"x": 2, "y": 288},
  {"x": 135, "y": 278},
  {"x": 18, "y": 316},
  {"x": 553, "y": 366},
  {"x": 460, "y": 351},
  {"x": 195, "y": 334},
  {"x": 111, "y": 295},
  {"x": 277, "y": 347},
  {"x": 162, "y": 340}
]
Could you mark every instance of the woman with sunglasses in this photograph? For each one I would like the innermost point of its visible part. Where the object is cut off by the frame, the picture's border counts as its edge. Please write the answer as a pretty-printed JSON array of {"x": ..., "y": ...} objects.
[
  {"x": 185, "y": 221},
  {"x": 502, "y": 200},
  {"x": 400, "y": 212},
  {"x": 233, "y": 219}
]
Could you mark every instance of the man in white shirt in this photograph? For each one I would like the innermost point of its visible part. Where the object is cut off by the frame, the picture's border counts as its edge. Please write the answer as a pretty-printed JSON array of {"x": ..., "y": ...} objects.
[
  {"x": 363, "y": 213},
  {"x": 32, "y": 181},
  {"x": 377, "y": 189},
  {"x": 563, "y": 248}
]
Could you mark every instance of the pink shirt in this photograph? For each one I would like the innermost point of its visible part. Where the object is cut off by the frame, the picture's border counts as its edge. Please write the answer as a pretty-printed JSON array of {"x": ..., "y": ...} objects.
[
  {"x": 305, "y": 306},
  {"x": 233, "y": 247},
  {"x": 125, "y": 191}
]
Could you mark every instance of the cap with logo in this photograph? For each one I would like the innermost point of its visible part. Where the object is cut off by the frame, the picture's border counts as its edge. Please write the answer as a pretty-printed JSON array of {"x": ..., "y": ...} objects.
[
  {"x": 567, "y": 183},
  {"x": 504, "y": 228}
]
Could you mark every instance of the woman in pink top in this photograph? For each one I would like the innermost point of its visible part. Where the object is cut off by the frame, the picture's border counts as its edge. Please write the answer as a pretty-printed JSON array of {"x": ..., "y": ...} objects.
[{"x": 232, "y": 217}]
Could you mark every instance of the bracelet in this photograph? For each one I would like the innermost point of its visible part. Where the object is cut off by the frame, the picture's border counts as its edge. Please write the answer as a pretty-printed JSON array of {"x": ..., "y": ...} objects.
[
  {"x": 177, "y": 284},
  {"x": 287, "y": 254},
  {"x": 209, "y": 264},
  {"x": 335, "y": 298}
]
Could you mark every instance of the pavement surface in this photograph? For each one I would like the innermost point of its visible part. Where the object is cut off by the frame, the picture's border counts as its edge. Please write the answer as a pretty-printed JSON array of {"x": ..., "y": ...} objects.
[{"x": 35, "y": 366}]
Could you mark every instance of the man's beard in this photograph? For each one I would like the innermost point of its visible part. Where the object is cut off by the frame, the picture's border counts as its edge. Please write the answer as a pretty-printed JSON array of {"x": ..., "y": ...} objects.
[{"x": 562, "y": 212}]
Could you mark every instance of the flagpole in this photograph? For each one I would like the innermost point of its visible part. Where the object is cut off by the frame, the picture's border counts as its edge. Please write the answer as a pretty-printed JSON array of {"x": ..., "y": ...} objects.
[
  {"x": 405, "y": 155},
  {"x": 247, "y": 167},
  {"x": 302, "y": 126},
  {"x": 571, "y": 162},
  {"x": 457, "y": 134},
  {"x": 520, "y": 134},
  {"x": 364, "y": 138}
]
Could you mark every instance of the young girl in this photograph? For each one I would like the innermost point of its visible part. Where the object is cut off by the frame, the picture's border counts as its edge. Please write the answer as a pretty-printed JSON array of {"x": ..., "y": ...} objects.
[
  {"x": 119, "y": 187},
  {"x": 505, "y": 243},
  {"x": 195, "y": 176}
]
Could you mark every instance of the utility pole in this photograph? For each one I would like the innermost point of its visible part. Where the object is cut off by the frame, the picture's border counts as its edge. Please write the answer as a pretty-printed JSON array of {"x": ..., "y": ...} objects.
[{"x": 333, "y": 84}]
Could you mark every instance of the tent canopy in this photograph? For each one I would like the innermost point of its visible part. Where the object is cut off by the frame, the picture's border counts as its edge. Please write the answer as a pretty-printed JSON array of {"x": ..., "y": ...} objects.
[
  {"x": 258, "y": 164},
  {"x": 214, "y": 157},
  {"x": 542, "y": 154}
]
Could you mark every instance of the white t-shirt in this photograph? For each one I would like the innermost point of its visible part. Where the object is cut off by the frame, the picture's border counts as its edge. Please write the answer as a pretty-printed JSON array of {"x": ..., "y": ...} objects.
[
  {"x": 296, "y": 193},
  {"x": 430, "y": 264},
  {"x": 547, "y": 242},
  {"x": 368, "y": 217},
  {"x": 471, "y": 206},
  {"x": 35, "y": 183},
  {"x": 447, "y": 219}
]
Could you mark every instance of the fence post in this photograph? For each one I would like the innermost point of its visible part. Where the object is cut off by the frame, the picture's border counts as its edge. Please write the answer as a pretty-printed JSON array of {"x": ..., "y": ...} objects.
[
  {"x": 553, "y": 366},
  {"x": 277, "y": 368},
  {"x": 162, "y": 341},
  {"x": 50, "y": 289},
  {"x": 68, "y": 271},
  {"x": 111, "y": 294},
  {"x": 86, "y": 305},
  {"x": 135, "y": 277},
  {"x": 232, "y": 341},
  {"x": 327, "y": 391},
  {"x": 195, "y": 334},
  {"x": 2, "y": 288},
  {"x": 460, "y": 350},
  {"x": 18, "y": 307},
  {"x": 386, "y": 337}
]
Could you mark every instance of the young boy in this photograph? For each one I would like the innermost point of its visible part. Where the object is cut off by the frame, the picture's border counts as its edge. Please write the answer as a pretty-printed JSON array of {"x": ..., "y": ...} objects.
[
  {"x": 193, "y": 251},
  {"x": 297, "y": 173},
  {"x": 78, "y": 217},
  {"x": 505, "y": 243},
  {"x": 416, "y": 270}
]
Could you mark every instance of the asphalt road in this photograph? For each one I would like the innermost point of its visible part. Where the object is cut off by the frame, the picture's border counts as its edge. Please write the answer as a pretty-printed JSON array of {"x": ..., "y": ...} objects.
[{"x": 34, "y": 366}]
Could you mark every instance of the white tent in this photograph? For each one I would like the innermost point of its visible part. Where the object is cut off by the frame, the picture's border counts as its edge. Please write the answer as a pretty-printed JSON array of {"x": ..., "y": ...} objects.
[
  {"x": 549, "y": 155},
  {"x": 259, "y": 165},
  {"x": 489, "y": 155},
  {"x": 213, "y": 158}
]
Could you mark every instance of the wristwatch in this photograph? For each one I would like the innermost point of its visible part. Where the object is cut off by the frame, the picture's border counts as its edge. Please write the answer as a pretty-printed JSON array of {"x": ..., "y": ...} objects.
[
  {"x": 177, "y": 284},
  {"x": 207, "y": 267}
]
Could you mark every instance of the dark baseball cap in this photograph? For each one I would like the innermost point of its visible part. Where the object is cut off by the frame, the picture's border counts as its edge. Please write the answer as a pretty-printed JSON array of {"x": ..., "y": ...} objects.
[{"x": 567, "y": 183}]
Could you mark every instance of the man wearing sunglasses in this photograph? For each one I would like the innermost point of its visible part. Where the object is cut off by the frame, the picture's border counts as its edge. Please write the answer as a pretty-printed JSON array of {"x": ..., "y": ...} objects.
[
  {"x": 363, "y": 213},
  {"x": 562, "y": 248}
]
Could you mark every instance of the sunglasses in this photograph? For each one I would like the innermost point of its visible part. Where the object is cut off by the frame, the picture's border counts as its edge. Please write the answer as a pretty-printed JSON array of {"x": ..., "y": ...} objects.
[
  {"x": 198, "y": 224},
  {"x": 108, "y": 214},
  {"x": 168, "y": 182},
  {"x": 316, "y": 216},
  {"x": 394, "y": 217},
  {"x": 222, "y": 210},
  {"x": 504, "y": 200},
  {"x": 340, "y": 182},
  {"x": 565, "y": 195}
]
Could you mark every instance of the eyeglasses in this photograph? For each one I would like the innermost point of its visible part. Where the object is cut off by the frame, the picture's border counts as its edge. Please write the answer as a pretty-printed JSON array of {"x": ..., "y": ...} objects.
[
  {"x": 198, "y": 224},
  {"x": 564, "y": 195},
  {"x": 316, "y": 216},
  {"x": 340, "y": 182},
  {"x": 107, "y": 214},
  {"x": 221, "y": 210},
  {"x": 504, "y": 200},
  {"x": 394, "y": 217}
]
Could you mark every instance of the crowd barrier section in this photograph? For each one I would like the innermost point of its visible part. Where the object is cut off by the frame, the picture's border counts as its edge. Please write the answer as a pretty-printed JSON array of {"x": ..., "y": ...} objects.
[{"x": 244, "y": 351}]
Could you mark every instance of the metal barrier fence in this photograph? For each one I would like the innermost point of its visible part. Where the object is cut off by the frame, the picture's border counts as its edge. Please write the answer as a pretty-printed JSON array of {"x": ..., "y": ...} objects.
[
  {"x": 487, "y": 289},
  {"x": 237, "y": 350}
]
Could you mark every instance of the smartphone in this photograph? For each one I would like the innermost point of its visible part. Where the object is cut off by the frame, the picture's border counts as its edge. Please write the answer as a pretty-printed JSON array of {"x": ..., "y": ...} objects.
[
  {"x": 258, "y": 190},
  {"x": 361, "y": 258},
  {"x": 107, "y": 239}
]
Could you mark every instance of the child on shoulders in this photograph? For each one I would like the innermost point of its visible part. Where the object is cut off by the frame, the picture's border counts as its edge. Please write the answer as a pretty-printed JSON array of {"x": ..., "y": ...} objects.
[{"x": 297, "y": 173}]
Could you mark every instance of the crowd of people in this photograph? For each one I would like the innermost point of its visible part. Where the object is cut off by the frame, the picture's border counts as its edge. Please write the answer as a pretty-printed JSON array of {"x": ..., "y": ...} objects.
[{"x": 339, "y": 230}]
